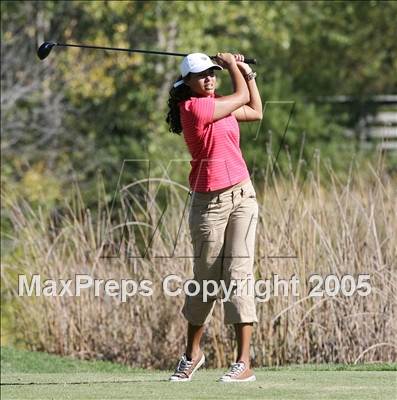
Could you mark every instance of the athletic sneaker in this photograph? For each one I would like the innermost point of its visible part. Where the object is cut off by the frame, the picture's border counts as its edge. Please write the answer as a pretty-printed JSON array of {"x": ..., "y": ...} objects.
[
  {"x": 185, "y": 368},
  {"x": 238, "y": 373}
]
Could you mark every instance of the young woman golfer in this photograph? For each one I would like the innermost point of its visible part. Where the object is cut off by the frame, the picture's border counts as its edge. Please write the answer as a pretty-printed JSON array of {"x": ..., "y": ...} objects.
[{"x": 224, "y": 210}]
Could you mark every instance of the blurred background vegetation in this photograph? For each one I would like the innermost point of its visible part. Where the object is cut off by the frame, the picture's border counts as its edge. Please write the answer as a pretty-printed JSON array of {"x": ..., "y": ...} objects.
[
  {"x": 83, "y": 111},
  {"x": 76, "y": 116}
]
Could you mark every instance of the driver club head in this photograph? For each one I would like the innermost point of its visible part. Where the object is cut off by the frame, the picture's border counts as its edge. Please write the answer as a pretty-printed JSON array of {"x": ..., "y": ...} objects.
[{"x": 45, "y": 49}]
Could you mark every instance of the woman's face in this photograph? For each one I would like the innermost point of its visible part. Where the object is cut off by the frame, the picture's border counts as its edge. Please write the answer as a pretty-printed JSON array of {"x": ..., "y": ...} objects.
[{"x": 202, "y": 83}]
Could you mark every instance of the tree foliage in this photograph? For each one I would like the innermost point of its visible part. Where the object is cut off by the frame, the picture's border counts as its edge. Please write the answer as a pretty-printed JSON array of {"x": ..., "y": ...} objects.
[{"x": 80, "y": 111}]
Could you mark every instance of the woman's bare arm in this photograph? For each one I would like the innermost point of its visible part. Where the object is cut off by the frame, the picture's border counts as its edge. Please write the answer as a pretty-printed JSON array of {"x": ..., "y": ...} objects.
[
  {"x": 226, "y": 105},
  {"x": 252, "y": 111}
]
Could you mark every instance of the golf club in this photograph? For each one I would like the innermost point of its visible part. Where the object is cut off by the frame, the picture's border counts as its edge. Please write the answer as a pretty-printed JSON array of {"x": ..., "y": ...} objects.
[{"x": 45, "y": 49}]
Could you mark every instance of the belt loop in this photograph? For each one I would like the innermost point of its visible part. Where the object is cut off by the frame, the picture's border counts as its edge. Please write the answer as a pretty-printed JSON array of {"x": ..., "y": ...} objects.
[
  {"x": 218, "y": 200},
  {"x": 242, "y": 192}
]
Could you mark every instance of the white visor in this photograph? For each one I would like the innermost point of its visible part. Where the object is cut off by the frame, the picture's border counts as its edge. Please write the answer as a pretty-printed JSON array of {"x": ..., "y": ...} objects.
[{"x": 195, "y": 62}]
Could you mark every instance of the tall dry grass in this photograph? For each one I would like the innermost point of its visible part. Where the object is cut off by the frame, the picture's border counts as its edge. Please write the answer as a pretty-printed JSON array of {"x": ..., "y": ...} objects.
[{"x": 324, "y": 227}]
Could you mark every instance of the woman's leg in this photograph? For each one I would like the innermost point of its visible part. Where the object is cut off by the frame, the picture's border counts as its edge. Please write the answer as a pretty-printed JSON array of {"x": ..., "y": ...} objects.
[
  {"x": 243, "y": 336},
  {"x": 193, "y": 358},
  {"x": 194, "y": 334},
  {"x": 207, "y": 224},
  {"x": 238, "y": 264}
]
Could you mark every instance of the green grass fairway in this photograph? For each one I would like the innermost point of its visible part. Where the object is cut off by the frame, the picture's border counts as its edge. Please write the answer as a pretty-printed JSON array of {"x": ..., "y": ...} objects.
[{"x": 28, "y": 375}]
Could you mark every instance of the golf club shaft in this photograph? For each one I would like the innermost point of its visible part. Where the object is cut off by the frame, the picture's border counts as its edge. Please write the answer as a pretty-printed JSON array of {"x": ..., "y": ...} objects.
[{"x": 246, "y": 60}]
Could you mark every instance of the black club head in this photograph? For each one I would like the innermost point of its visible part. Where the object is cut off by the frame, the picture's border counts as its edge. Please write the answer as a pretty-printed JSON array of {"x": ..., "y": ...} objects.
[{"x": 45, "y": 49}]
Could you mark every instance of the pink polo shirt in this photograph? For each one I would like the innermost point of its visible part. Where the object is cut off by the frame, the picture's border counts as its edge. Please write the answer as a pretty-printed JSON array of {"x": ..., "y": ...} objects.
[{"x": 217, "y": 161}]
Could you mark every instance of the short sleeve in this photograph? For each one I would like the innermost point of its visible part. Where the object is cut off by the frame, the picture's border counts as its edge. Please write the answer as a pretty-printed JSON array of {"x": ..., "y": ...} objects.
[{"x": 201, "y": 109}]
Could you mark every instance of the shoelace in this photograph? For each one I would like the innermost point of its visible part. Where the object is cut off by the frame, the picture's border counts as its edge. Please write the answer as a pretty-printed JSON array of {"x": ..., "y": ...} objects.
[
  {"x": 183, "y": 365},
  {"x": 236, "y": 369}
]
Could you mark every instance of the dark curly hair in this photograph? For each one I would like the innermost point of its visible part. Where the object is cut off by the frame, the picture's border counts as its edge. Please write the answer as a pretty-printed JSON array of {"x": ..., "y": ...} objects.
[{"x": 176, "y": 95}]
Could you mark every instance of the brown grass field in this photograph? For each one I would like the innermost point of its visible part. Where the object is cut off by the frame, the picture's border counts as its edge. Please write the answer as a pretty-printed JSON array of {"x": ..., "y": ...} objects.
[{"x": 324, "y": 225}]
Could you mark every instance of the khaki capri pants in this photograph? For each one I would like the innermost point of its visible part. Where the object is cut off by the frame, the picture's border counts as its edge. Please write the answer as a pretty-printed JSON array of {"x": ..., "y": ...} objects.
[{"x": 223, "y": 228}]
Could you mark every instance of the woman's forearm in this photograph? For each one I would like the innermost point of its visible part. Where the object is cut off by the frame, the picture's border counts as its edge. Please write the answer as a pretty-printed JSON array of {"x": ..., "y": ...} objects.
[
  {"x": 238, "y": 82},
  {"x": 255, "y": 99}
]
